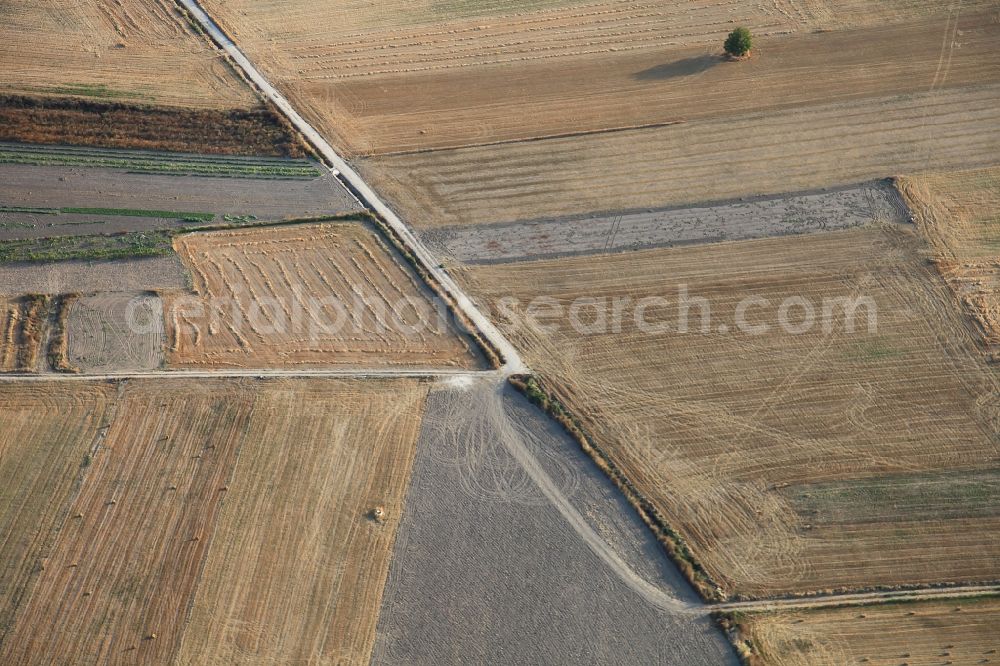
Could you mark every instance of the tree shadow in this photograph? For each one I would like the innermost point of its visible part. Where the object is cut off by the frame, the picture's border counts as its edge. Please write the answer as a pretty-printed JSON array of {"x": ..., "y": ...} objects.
[{"x": 683, "y": 67}]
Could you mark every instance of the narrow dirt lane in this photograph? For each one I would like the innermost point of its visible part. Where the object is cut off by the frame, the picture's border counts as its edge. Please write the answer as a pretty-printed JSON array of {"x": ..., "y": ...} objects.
[{"x": 512, "y": 360}]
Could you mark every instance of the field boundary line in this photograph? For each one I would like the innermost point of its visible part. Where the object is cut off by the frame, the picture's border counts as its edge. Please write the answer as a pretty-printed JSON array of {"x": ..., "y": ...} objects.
[
  {"x": 859, "y": 599},
  {"x": 346, "y": 373},
  {"x": 512, "y": 363},
  {"x": 527, "y": 139},
  {"x": 544, "y": 396}
]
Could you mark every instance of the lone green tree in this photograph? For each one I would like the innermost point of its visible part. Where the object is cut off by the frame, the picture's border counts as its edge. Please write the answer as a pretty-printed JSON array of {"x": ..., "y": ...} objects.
[{"x": 739, "y": 42}]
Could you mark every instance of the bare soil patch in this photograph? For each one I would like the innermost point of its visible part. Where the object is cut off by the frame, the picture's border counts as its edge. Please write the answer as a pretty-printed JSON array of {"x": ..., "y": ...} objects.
[
  {"x": 537, "y": 590},
  {"x": 252, "y": 131},
  {"x": 725, "y": 432},
  {"x": 116, "y": 332},
  {"x": 150, "y": 274},
  {"x": 306, "y": 295},
  {"x": 31, "y": 199},
  {"x": 920, "y": 634},
  {"x": 867, "y": 204}
]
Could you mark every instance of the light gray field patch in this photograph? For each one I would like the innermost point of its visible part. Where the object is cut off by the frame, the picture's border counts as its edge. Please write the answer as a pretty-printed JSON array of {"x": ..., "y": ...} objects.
[
  {"x": 116, "y": 332},
  {"x": 486, "y": 569},
  {"x": 860, "y": 205},
  {"x": 65, "y": 277}
]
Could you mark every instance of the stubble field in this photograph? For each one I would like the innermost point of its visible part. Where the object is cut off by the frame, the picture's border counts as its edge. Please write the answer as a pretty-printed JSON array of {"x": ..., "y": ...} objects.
[
  {"x": 918, "y": 634},
  {"x": 440, "y": 79},
  {"x": 763, "y": 450},
  {"x": 759, "y": 153},
  {"x": 306, "y": 296},
  {"x": 958, "y": 213},
  {"x": 201, "y": 522},
  {"x": 46, "y": 434},
  {"x": 658, "y": 86},
  {"x": 121, "y": 51}
]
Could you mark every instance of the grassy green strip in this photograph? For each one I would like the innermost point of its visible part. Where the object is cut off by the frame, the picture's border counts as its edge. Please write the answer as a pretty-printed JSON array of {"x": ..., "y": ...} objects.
[
  {"x": 66, "y": 248},
  {"x": 162, "y": 166},
  {"x": 134, "y": 243},
  {"x": 136, "y": 212}
]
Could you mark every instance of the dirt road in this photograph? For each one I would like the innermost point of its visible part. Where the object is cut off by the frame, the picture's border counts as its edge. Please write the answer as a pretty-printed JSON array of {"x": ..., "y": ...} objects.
[{"x": 512, "y": 360}]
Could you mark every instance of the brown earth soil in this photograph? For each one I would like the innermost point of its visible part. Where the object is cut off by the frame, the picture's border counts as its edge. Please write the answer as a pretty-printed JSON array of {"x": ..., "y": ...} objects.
[
  {"x": 154, "y": 273},
  {"x": 56, "y": 186},
  {"x": 250, "y": 131},
  {"x": 115, "y": 332}
]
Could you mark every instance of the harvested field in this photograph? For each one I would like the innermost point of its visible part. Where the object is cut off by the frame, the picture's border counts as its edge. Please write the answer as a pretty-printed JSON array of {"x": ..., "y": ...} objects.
[
  {"x": 758, "y": 153},
  {"x": 866, "y": 204},
  {"x": 959, "y": 213},
  {"x": 536, "y": 588},
  {"x": 126, "y": 564},
  {"x": 297, "y": 566},
  {"x": 46, "y": 432},
  {"x": 120, "y": 51},
  {"x": 166, "y": 539},
  {"x": 23, "y": 322},
  {"x": 306, "y": 295},
  {"x": 115, "y": 332},
  {"x": 919, "y": 634},
  {"x": 148, "y": 274},
  {"x": 472, "y": 105},
  {"x": 733, "y": 432},
  {"x": 440, "y": 75},
  {"x": 39, "y": 120}
]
